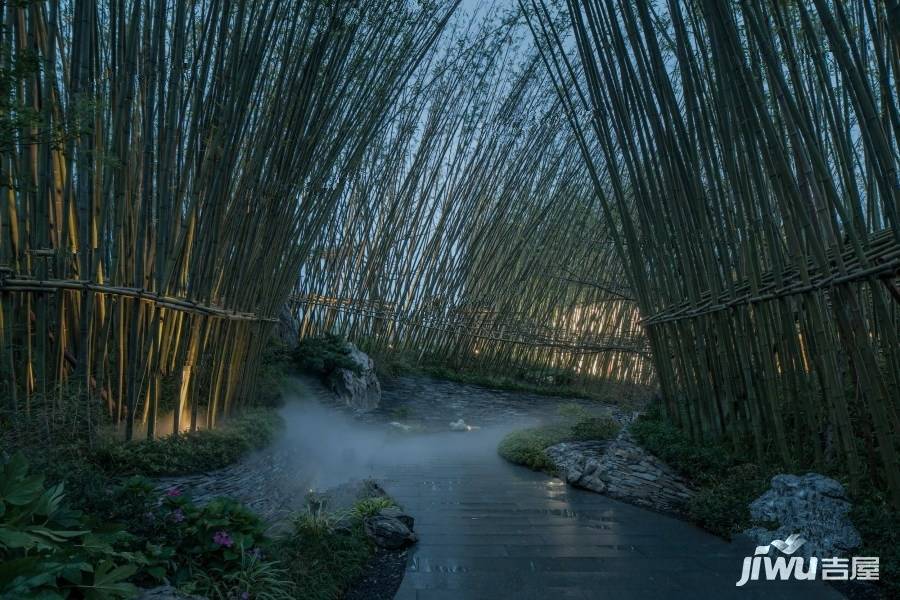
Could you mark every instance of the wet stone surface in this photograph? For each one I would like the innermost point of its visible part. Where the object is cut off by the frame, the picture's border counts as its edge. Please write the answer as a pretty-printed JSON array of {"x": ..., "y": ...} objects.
[
  {"x": 429, "y": 405},
  {"x": 262, "y": 481},
  {"x": 622, "y": 469},
  {"x": 486, "y": 528},
  {"x": 274, "y": 482}
]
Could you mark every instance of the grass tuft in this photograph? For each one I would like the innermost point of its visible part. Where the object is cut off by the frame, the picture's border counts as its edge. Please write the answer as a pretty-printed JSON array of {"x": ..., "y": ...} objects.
[
  {"x": 526, "y": 447},
  {"x": 326, "y": 553}
]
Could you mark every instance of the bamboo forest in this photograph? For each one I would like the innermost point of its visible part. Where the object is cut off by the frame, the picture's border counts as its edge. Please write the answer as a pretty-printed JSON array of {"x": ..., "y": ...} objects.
[{"x": 449, "y": 299}]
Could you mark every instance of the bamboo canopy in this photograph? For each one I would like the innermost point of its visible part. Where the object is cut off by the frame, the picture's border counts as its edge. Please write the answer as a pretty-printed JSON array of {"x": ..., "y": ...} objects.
[
  {"x": 471, "y": 234},
  {"x": 747, "y": 154}
]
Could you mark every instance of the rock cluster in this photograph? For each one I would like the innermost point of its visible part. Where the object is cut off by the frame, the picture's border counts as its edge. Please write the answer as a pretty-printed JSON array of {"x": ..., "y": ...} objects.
[
  {"x": 811, "y": 505},
  {"x": 360, "y": 388},
  {"x": 623, "y": 470},
  {"x": 391, "y": 528}
]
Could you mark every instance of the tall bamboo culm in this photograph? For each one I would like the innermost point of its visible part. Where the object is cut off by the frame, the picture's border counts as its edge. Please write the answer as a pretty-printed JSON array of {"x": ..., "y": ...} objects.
[
  {"x": 165, "y": 166},
  {"x": 471, "y": 235},
  {"x": 747, "y": 152}
]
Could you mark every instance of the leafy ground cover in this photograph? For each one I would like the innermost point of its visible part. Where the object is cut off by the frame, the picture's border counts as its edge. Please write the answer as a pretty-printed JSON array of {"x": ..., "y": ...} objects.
[
  {"x": 201, "y": 450},
  {"x": 135, "y": 536},
  {"x": 526, "y": 447},
  {"x": 323, "y": 354},
  {"x": 726, "y": 483},
  {"x": 45, "y": 548}
]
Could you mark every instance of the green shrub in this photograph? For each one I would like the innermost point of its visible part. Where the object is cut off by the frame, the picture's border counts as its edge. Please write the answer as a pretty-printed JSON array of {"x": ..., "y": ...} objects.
[
  {"x": 256, "y": 577},
  {"x": 726, "y": 483},
  {"x": 701, "y": 463},
  {"x": 571, "y": 410},
  {"x": 878, "y": 523},
  {"x": 722, "y": 507},
  {"x": 206, "y": 539},
  {"x": 395, "y": 364},
  {"x": 274, "y": 364},
  {"x": 201, "y": 450},
  {"x": 186, "y": 542},
  {"x": 45, "y": 549},
  {"x": 526, "y": 447},
  {"x": 322, "y": 355}
]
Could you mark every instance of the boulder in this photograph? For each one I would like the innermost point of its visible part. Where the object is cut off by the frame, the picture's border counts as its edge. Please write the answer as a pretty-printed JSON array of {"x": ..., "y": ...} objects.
[
  {"x": 389, "y": 532},
  {"x": 358, "y": 389},
  {"x": 395, "y": 512},
  {"x": 287, "y": 330},
  {"x": 459, "y": 426},
  {"x": 621, "y": 469},
  {"x": 813, "y": 506}
]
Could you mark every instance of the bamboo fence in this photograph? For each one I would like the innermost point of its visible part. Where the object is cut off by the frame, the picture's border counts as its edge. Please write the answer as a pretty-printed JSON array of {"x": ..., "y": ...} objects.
[
  {"x": 747, "y": 153},
  {"x": 165, "y": 166}
]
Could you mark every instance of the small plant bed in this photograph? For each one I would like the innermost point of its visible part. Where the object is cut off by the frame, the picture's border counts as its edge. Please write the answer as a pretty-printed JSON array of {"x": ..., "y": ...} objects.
[
  {"x": 202, "y": 450},
  {"x": 133, "y": 536},
  {"x": 329, "y": 553},
  {"x": 727, "y": 484},
  {"x": 526, "y": 447}
]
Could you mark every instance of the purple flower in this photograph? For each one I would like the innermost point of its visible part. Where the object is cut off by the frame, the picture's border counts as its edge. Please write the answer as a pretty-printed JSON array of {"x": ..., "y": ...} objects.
[
  {"x": 177, "y": 515},
  {"x": 223, "y": 539},
  {"x": 255, "y": 553},
  {"x": 173, "y": 492},
  {"x": 245, "y": 596}
]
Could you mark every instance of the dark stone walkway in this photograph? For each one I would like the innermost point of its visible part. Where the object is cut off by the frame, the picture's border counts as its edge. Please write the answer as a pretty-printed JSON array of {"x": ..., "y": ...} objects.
[
  {"x": 488, "y": 530},
  {"x": 491, "y": 530}
]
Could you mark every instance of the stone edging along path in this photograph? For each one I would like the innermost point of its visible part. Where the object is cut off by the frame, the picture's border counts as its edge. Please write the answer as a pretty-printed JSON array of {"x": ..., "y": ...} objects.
[{"x": 623, "y": 470}]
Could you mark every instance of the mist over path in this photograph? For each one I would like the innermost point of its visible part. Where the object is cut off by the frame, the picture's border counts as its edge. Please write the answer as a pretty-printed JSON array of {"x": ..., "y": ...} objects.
[{"x": 487, "y": 529}]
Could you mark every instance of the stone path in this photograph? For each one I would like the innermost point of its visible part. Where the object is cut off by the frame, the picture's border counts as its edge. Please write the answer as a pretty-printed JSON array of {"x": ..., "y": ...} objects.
[{"x": 489, "y": 530}]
